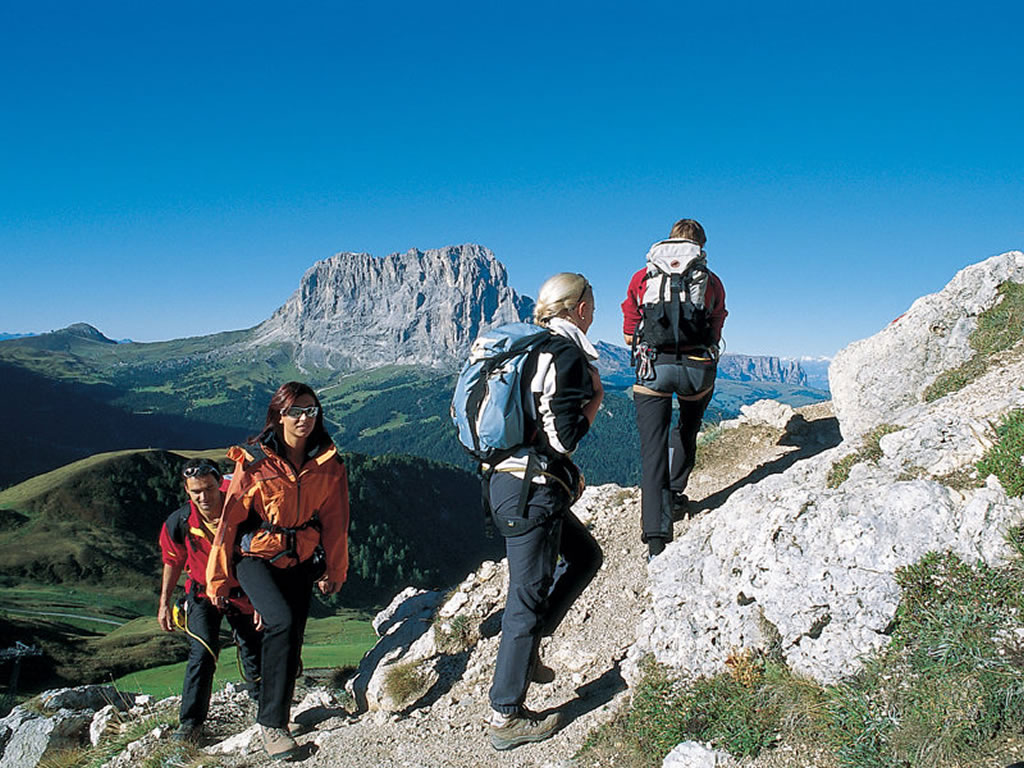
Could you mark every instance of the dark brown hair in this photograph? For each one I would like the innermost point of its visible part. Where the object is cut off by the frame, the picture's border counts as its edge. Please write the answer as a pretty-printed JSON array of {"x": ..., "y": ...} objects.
[
  {"x": 282, "y": 401},
  {"x": 688, "y": 229}
]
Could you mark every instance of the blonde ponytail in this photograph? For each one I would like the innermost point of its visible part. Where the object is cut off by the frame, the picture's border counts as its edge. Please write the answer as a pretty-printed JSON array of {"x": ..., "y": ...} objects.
[{"x": 559, "y": 296}]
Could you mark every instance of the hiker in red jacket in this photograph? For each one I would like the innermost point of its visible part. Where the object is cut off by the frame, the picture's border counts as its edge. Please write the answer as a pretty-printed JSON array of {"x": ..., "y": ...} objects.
[
  {"x": 185, "y": 541},
  {"x": 674, "y": 329}
]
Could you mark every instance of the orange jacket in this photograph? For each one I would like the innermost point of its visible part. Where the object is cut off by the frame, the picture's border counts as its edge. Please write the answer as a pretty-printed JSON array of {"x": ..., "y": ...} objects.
[{"x": 266, "y": 488}]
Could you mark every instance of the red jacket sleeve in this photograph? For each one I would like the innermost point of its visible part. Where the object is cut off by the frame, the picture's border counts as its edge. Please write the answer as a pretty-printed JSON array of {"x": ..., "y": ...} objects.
[
  {"x": 171, "y": 552},
  {"x": 716, "y": 299},
  {"x": 634, "y": 299}
]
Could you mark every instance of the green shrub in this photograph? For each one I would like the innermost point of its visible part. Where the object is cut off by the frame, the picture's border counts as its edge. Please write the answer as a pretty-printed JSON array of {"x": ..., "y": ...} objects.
[
  {"x": 999, "y": 328},
  {"x": 1004, "y": 458},
  {"x": 871, "y": 451}
]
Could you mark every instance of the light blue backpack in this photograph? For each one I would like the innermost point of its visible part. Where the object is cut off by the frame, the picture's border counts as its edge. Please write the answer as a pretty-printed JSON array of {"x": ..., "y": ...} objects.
[{"x": 487, "y": 407}]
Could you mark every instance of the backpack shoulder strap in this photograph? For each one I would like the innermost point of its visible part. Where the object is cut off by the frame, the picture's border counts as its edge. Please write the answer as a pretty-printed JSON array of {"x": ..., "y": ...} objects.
[{"x": 177, "y": 524}]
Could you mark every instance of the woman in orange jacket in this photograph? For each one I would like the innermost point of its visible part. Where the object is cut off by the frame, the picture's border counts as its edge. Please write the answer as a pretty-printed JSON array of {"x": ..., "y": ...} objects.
[{"x": 284, "y": 527}]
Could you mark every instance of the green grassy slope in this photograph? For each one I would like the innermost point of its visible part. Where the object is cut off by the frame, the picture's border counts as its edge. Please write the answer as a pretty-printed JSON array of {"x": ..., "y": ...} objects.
[{"x": 79, "y": 561}]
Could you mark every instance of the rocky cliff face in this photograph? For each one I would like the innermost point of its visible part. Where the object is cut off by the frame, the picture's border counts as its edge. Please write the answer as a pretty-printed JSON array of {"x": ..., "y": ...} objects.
[
  {"x": 875, "y": 378},
  {"x": 761, "y": 368},
  {"x": 356, "y": 311}
]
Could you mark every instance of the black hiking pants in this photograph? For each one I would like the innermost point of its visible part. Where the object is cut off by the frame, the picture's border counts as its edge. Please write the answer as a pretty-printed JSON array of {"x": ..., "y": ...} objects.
[
  {"x": 281, "y": 596},
  {"x": 540, "y": 592},
  {"x": 662, "y": 476},
  {"x": 204, "y": 623}
]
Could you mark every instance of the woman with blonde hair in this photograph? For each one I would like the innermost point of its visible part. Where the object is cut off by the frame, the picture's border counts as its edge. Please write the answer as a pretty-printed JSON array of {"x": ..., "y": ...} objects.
[{"x": 539, "y": 482}]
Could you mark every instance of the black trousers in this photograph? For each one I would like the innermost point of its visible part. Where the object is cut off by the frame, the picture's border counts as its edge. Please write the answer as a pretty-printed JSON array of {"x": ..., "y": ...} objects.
[
  {"x": 537, "y": 601},
  {"x": 660, "y": 478},
  {"x": 282, "y": 596},
  {"x": 204, "y": 623}
]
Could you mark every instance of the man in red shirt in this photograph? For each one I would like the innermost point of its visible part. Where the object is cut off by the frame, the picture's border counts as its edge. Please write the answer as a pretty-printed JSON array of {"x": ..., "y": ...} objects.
[
  {"x": 685, "y": 368},
  {"x": 185, "y": 541}
]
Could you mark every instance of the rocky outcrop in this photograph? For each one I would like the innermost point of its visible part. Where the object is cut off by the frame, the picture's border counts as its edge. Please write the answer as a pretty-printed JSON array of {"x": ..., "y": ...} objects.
[
  {"x": 356, "y": 311},
  {"x": 874, "y": 379},
  {"x": 60, "y": 719}
]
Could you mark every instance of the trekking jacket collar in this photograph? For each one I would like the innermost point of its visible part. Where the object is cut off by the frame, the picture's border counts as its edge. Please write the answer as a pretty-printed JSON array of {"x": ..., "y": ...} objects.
[
  {"x": 574, "y": 333},
  {"x": 319, "y": 451}
]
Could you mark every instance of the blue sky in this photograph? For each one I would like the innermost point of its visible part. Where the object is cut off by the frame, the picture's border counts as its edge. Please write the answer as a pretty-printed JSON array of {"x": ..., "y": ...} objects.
[{"x": 172, "y": 169}]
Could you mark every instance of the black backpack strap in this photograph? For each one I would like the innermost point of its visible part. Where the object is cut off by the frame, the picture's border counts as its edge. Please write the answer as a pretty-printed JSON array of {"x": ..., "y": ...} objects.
[
  {"x": 177, "y": 524},
  {"x": 289, "y": 535},
  {"x": 255, "y": 450},
  {"x": 528, "y": 475}
]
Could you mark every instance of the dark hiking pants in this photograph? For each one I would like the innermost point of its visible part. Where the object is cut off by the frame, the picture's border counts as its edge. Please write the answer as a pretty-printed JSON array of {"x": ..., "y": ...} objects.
[
  {"x": 660, "y": 477},
  {"x": 534, "y": 606},
  {"x": 281, "y": 596},
  {"x": 204, "y": 622}
]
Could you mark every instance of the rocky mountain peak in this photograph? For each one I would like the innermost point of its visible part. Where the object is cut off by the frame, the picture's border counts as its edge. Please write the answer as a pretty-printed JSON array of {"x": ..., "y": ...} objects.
[
  {"x": 356, "y": 311},
  {"x": 86, "y": 331}
]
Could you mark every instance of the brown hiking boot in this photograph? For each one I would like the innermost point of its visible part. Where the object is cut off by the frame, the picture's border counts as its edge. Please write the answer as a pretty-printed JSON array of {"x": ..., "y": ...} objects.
[
  {"x": 523, "y": 728},
  {"x": 278, "y": 743}
]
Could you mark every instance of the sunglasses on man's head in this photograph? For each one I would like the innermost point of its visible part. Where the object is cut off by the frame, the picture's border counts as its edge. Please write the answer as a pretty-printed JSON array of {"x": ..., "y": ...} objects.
[
  {"x": 198, "y": 470},
  {"x": 295, "y": 412}
]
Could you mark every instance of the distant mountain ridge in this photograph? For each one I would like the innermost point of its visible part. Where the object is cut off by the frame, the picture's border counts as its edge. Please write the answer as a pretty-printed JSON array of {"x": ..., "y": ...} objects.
[
  {"x": 614, "y": 366},
  {"x": 355, "y": 311}
]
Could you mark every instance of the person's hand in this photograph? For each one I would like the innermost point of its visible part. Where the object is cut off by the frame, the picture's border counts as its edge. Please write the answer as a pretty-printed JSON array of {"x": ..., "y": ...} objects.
[
  {"x": 220, "y": 602},
  {"x": 165, "y": 617},
  {"x": 328, "y": 587},
  {"x": 257, "y": 621}
]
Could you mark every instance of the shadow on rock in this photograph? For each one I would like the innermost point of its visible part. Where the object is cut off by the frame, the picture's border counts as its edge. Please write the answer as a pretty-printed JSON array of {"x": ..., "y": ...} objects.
[
  {"x": 809, "y": 437},
  {"x": 450, "y": 671},
  {"x": 594, "y": 694}
]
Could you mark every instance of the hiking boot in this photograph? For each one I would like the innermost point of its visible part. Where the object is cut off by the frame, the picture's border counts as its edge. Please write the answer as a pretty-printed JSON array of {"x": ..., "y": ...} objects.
[
  {"x": 525, "y": 727},
  {"x": 295, "y": 728},
  {"x": 542, "y": 673},
  {"x": 278, "y": 743},
  {"x": 680, "y": 506},
  {"x": 187, "y": 733},
  {"x": 655, "y": 546}
]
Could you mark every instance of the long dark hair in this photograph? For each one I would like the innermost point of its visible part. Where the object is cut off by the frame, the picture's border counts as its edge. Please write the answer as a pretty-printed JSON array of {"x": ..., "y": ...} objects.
[{"x": 282, "y": 401}]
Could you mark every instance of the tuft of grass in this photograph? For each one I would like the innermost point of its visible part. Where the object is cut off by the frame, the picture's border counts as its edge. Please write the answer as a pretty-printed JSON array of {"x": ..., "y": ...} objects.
[
  {"x": 871, "y": 451},
  {"x": 743, "y": 711},
  {"x": 1004, "y": 459},
  {"x": 403, "y": 682},
  {"x": 454, "y": 635},
  {"x": 999, "y": 328}
]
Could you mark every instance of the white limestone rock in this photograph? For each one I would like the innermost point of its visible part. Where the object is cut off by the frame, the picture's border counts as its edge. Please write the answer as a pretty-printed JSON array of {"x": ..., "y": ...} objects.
[
  {"x": 692, "y": 754},
  {"x": 33, "y": 736},
  {"x": 874, "y": 379},
  {"x": 101, "y": 723}
]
